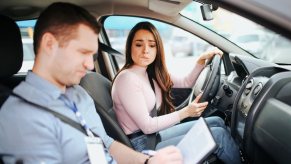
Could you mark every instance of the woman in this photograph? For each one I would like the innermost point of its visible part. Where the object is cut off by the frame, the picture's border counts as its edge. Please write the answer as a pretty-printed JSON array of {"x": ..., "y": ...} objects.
[{"x": 134, "y": 98}]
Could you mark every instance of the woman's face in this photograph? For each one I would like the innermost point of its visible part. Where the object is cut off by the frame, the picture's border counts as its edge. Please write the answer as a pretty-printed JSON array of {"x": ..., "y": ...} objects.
[{"x": 143, "y": 48}]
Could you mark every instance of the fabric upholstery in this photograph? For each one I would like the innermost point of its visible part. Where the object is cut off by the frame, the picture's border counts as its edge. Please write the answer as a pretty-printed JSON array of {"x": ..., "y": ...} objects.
[
  {"x": 11, "y": 51},
  {"x": 99, "y": 88},
  {"x": 11, "y": 56}
]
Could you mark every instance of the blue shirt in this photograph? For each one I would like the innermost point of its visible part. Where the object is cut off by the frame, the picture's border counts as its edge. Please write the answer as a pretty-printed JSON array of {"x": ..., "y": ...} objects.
[{"x": 38, "y": 136}]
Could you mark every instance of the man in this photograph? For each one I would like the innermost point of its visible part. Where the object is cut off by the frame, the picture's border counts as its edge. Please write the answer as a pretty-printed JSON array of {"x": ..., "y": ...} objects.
[{"x": 65, "y": 39}]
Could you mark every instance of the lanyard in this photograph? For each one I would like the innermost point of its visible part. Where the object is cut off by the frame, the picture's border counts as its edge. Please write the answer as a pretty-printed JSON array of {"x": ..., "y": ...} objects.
[
  {"x": 70, "y": 104},
  {"x": 78, "y": 114}
]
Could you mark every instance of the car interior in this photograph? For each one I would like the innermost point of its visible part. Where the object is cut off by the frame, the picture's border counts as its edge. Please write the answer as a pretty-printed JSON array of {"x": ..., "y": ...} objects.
[{"x": 250, "y": 93}]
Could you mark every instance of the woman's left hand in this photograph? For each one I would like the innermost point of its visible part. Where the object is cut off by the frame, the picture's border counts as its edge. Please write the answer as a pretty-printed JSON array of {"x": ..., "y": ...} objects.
[{"x": 208, "y": 55}]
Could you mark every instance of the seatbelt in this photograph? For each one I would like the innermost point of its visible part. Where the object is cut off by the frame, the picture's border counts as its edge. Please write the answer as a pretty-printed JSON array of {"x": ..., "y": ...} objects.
[
  {"x": 154, "y": 112},
  {"x": 110, "y": 50},
  {"x": 152, "y": 138},
  {"x": 63, "y": 118}
]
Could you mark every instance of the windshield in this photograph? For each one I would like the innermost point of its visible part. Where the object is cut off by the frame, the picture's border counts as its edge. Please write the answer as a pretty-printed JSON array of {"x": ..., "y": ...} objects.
[{"x": 252, "y": 37}]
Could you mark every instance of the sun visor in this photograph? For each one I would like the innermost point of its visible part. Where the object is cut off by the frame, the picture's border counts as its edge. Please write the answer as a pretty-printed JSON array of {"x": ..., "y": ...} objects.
[{"x": 170, "y": 7}]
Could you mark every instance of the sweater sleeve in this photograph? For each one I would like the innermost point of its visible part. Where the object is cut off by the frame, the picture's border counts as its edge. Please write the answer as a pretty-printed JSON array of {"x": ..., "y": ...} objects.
[
  {"x": 189, "y": 80},
  {"x": 131, "y": 95}
]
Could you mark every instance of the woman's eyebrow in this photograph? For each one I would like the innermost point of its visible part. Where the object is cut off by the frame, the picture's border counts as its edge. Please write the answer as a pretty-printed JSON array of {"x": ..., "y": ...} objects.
[
  {"x": 138, "y": 40},
  {"x": 141, "y": 40}
]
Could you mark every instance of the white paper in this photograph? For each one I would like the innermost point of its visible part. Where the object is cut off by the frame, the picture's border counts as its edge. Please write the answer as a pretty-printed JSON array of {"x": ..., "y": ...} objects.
[
  {"x": 95, "y": 150},
  {"x": 197, "y": 144}
]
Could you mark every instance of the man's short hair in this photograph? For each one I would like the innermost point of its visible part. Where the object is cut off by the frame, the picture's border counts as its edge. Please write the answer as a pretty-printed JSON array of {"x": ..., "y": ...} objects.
[{"x": 62, "y": 20}]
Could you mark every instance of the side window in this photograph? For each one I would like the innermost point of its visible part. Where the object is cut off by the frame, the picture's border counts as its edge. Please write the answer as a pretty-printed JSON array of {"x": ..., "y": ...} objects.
[
  {"x": 26, "y": 29},
  {"x": 181, "y": 47}
]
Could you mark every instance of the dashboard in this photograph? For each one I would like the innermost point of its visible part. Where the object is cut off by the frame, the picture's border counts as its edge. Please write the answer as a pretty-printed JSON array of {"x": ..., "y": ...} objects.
[{"x": 259, "y": 92}]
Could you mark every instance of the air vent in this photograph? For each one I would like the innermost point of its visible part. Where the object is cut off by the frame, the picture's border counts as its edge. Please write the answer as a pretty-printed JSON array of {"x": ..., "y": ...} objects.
[
  {"x": 258, "y": 88},
  {"x": 249, "y": 86}
]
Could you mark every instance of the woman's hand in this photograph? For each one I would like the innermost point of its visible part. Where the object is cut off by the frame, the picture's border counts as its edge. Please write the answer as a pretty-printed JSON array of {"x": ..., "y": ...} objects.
[
  {"x": 208, "y": 55},
  {"x": 194, "y": 109}
]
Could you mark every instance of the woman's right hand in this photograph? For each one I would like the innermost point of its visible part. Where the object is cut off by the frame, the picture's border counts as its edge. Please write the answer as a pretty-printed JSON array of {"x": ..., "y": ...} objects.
[{"x": 194, "y": 109}]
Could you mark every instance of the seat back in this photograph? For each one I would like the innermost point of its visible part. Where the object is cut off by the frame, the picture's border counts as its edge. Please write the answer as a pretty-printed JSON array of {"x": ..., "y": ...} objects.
[
  {"x": 11, "y": 56},
  {"x": 99, "y": 88}
]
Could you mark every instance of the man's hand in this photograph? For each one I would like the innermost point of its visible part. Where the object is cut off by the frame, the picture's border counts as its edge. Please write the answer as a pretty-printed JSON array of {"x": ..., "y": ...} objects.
[{"x": 167, "y": 155}]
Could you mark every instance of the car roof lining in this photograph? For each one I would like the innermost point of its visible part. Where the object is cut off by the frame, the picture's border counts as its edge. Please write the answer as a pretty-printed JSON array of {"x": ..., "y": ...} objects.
[{"x": 30, "y": 9}]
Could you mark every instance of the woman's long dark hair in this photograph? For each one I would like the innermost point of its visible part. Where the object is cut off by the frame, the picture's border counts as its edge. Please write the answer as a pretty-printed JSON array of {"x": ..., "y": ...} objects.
[{"x": 156, "y": 70}]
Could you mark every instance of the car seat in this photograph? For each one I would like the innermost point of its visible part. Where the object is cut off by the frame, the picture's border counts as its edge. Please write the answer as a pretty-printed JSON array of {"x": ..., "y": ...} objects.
[
  {"x": 11, "y": 57},
  {"x": 99, "y": 88}
]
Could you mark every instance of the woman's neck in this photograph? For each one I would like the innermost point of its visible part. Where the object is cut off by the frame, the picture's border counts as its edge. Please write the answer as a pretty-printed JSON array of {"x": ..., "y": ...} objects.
[{"x": 139, "y": 69}]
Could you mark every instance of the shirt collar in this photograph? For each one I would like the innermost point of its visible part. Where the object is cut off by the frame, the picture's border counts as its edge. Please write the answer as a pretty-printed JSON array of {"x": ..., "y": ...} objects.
[{"x": 43, "y": 85}]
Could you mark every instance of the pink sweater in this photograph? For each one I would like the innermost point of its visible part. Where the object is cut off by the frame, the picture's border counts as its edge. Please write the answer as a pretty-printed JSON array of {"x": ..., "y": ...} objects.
[{"x": 133, "y": 99}]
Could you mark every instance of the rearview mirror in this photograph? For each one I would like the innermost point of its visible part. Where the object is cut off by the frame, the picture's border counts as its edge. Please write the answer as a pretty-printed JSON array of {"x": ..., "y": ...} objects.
[{"x": 206, "y": 10}]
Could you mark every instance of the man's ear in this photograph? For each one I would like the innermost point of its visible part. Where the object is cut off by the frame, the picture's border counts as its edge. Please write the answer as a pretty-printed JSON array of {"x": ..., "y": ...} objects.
[{"x": 49, "y": 43}]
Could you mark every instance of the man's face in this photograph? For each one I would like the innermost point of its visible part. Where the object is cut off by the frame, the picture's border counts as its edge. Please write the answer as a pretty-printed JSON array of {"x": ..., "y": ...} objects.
[
  {"x": 72, "y": 60},
  {"x": 143, "y": 48}
]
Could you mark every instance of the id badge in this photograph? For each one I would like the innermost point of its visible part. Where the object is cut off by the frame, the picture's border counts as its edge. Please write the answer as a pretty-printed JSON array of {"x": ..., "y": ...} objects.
[{"x": 95, "y": 150}]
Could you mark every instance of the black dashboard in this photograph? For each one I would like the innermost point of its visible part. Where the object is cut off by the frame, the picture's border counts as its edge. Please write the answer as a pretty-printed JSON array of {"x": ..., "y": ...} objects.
[{"x": 258, "y": 89}]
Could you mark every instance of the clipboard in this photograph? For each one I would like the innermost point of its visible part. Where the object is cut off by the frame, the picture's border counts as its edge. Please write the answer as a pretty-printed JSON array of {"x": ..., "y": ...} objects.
[{"x": 197, "y": 144}]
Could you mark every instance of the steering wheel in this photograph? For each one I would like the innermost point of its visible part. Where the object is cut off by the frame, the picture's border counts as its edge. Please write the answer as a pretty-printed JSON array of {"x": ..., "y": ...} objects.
[{"x": 207, "y": 82}]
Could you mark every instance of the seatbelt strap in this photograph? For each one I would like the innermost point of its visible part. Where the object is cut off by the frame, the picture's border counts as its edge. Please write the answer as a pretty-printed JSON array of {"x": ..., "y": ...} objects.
[
  {"x": 110, "y": 50},
  {"x": 63, "y": 118},
  {"x": 152, "y": 138},
  {"x": 154, "y": 112}
]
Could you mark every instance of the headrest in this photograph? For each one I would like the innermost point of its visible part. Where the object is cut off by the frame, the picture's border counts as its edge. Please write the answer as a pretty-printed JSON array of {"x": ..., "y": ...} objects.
[{"x": 11, "y": 51}]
